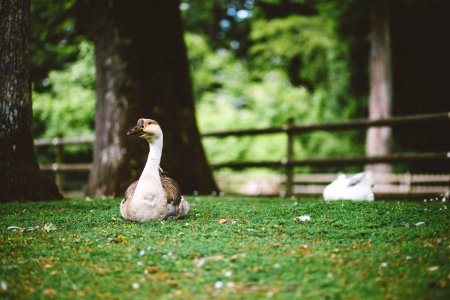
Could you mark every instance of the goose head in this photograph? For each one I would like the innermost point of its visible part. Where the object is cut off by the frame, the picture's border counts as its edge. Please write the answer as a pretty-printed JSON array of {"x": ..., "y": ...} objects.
[{"x": 146, "y": 129}]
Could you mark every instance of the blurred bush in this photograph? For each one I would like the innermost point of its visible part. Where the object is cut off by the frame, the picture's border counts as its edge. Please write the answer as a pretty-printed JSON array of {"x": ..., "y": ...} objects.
[
  {"x": 68, "y": 107},
  {"x": 230, "y": 97}
]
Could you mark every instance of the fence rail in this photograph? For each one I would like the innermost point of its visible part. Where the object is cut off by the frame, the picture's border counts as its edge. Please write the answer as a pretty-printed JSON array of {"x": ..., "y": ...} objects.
[
  {"x": 64, "y": 141},
  {"x": 387, "y": 186},
  {"x": 338, "y": 161},
  {"x": 61, "y": 167},
  {"x": 336, "y": 126},
  {"x": 289, "y": 162}
]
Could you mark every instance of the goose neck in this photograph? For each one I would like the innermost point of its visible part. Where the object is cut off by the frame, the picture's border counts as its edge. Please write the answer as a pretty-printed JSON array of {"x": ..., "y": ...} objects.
[{"x": 154, "y": 156}]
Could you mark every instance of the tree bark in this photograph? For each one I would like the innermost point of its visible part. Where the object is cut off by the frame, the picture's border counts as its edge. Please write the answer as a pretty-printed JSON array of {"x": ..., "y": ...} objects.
[
  {"x": 20, "y": 177},
  {"x": 380, "y": 99},
  {"x": 142, "y": 71}
]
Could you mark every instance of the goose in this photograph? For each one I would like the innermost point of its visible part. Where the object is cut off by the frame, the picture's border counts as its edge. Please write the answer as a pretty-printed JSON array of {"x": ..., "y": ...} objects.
[
  {"x": 155, "y": 196},
  {"x": 355, "y": 187}
]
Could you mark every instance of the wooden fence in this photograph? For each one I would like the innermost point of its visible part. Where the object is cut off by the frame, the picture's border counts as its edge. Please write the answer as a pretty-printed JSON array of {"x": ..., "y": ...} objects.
[{"x": 289, "y": 162}]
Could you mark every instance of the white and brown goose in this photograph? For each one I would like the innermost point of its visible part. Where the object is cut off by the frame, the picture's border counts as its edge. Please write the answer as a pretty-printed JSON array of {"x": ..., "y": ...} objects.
[{"x": 155, "y": 196}]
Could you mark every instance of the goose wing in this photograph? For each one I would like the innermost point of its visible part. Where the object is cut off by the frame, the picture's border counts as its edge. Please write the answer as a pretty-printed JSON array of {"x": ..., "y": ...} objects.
[
  {"x": 130, "y": 191},
  {"x": 364, "y": 179},
  {"x": 171, "y": 188}
]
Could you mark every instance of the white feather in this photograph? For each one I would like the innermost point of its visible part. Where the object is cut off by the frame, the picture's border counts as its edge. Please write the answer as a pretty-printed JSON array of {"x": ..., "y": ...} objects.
[{"x": 356, "y": 187}]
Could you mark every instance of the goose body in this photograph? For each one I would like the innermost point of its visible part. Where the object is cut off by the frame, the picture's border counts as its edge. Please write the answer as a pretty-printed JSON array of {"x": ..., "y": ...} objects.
[
  {"x": 155, "y": 196},
  {"x": 356, "y": 187}
]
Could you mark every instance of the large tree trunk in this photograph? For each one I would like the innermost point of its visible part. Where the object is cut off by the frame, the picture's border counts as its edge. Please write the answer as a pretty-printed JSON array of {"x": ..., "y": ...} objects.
[
  {"x": 380, "y": 100},
  {"x": 20, "y": 177},
  {"x": 142, "y": 71}
]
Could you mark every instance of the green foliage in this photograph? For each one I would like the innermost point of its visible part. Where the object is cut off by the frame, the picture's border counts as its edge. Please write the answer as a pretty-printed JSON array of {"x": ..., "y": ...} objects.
[
  {"x": 296, "y": 66},
  {"x": 231, "y": 248},
  {"x": 54, "y": 39},
  {"x": 68, "y": 108},
  {"x": 226, "y": 24},
  {"x": 284, "y": 38},
  {"x": 309, "y": 50},
  {"x": 230, "y": 95},
  {"x": 291, "y": 66}
]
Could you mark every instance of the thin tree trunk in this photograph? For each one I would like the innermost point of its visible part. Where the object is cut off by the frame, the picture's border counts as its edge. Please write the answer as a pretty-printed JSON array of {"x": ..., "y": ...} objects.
[
  {"x": 380, "y": 99},
  {"x": 20, "y": 177},
  {"x": 142, "y": 71}
]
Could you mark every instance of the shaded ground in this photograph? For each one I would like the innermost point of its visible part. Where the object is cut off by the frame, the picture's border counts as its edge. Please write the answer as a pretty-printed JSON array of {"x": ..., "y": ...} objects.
[{"x": 228, "y": 247}]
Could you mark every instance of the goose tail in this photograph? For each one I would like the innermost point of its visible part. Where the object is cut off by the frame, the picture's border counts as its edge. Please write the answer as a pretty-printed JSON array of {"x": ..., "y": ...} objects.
[{"x": 183, "y": 208}]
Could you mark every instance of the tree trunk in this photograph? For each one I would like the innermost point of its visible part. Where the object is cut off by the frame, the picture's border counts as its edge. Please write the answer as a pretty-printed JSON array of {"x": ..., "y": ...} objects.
[
  {"x": 20, "y": 177},
  {"x": 142, "y": 71},
  {"x": 380, "y": 99}
]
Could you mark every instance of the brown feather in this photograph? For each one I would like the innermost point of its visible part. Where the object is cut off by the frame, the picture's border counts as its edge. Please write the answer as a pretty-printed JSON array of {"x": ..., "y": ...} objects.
[
  {"x": 171, "y": 189},
  {"x": 129, "y": 193}
]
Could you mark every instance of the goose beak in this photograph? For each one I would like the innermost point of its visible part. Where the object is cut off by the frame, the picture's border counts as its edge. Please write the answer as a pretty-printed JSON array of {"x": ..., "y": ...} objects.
[{"x": 137, "y": 129}]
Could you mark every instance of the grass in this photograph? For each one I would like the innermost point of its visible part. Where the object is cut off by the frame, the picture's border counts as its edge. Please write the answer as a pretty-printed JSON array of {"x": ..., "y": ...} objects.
[{"x": 238, "y": 248}]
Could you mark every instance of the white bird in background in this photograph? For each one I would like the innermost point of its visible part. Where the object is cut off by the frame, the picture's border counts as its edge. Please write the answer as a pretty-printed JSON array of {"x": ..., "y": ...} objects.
[{"x": 356, "y": 187}]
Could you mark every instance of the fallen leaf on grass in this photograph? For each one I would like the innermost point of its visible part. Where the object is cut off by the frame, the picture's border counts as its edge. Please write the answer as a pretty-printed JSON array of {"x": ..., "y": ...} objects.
[
  {"x": 115, "y": 240},
  {"x": 236, "y": 256},
  {"x": 200, "y": 262},
  {"x": 159, "y": 277},
  {"x": 356, "y": 245},
  {"x": 172, "y": 283},
  {"x": 33, "y": 228},
  {"x": 187, "y": 275},
  {"x": 303, "y": 250},
  {"x": 14, "y": 228},
  {"x": 302, "y": 218},
  {"x": 218, "y": 285},
  {"x": 433, "y": 268},
  {"x": 49, "y": 227},
  {"x": 151, "y": 269},
  {"x": 356, "y": 262},
  {"x": 49, "y": 292},
  {"x": 254, "y": 268},
  {"x": 135, "y": 285},
  {"x": 203, "y": 260},
  {"x": 22, "y": 229},
  {"x": 222, "y": 221}
]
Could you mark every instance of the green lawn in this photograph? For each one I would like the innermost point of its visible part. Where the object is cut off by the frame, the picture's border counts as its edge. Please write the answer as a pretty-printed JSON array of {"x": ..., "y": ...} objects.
[{"x": 227, "y": 248}]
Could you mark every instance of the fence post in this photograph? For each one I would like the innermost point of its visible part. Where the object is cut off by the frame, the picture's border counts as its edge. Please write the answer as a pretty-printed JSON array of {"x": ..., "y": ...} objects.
[
  {"x": 408, "y": 181},
  {"x": 289, "y": 156},
  {"x": 59, "y": 160}
]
